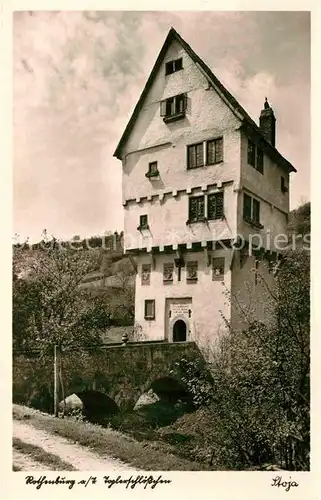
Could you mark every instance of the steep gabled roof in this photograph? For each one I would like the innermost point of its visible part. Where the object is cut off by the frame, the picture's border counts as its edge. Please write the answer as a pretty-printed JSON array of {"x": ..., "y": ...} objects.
[{"x": 233, "y": 104}]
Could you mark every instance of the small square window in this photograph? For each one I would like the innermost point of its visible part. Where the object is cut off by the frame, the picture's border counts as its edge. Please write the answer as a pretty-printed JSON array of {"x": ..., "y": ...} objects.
[
  {"x": 218, "y": 269},
  {"x": 152, "y": 169},
  {"x": 168, "y": 272},
  {"x": 143, "y": 222},
  {"x": 191, "y": 271},
  {"x": 146, "y": 270},
  {"x": 149, "y": 309},
  {"x": 172, "y": 66}
]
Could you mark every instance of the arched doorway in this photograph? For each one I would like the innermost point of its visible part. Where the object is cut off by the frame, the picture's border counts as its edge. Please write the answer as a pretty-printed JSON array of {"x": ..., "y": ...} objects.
[{"x": 179, "y": 331}]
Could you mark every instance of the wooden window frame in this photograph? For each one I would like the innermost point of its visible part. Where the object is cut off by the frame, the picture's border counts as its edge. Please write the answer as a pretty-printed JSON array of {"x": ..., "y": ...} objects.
[
  {"x": 218, "y": 277},
  {"x": 251, "y": 220},
  {"x": 192, "y": 265},
  {"x": 216, "y": 216},
  {"x": 150, "y": 172},
  {"x": 190, "y": 201},
  {"x": 216, "y": 160},
  {"x": 175, "y": 65},
  {"x": 189, "y": 149},
  {"x": 149, "y": 301},
  {"x": 148, "y": 268},
  {"x": 143, "y": 226},
  {"x": 168, "y": 265},
  {"x": 176, "y": 113},
  {"x": 251, "y": 156}
]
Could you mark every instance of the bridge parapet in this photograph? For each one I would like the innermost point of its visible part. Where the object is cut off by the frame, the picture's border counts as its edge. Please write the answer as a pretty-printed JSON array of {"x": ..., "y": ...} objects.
[{"x": 123, "y": 372}]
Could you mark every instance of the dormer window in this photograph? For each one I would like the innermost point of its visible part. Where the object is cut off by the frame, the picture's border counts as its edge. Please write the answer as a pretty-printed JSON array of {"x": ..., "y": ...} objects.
[
  {"x": 173, "y": 66},
  {"x": 173, "y": 108}
]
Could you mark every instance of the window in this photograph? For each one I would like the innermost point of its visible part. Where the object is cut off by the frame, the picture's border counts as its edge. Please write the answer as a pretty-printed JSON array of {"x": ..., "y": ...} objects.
[
  {"x": 174, "y": 107},
  {"x": 152, "y": 169},
  {"x": 214, "y": 151},
  {"x": 173, "y": 66},
  {"x": 146, "y": 269},
  {"x": 251, "y": 210},
  {"x": 195, "y": 155},
  {"x": 143, "y": 222},
  {"x": 259, "y": 160},
  {"x": 196, "y": 208},
  {"x": 191, "y": 271},
  {"x": 284, "y": 189},
  {"x": 251, "y": 153},
  {"x": 215, "y": 205},
  {"x": 168, "y": 272},
  {"x": 212, "y": 205},
  {"x": 255, "y": 156},
  {"x": 149, "y": 309},
  {"x": 256, "y": 211},
  {"x": 218, "y": 264}
]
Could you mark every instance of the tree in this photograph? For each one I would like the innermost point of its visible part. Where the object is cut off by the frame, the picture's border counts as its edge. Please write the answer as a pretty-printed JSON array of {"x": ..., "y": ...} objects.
[{"x": 259, "y": 391}]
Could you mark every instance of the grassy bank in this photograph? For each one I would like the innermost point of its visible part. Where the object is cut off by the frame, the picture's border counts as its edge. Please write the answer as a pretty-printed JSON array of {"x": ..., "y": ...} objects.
[
  {"x": 39, "y": 455},
  {"x": 144, "y": 455}
]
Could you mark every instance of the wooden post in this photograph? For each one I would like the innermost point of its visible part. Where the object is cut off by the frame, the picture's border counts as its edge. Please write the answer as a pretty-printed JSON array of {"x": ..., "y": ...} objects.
[{"x": 56, "y": 379}]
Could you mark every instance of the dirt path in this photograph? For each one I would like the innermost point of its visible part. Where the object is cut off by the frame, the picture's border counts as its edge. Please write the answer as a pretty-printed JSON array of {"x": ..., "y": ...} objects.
[
  {"x": 25, "y": 462},
  {"x": 78, "y": 456}
]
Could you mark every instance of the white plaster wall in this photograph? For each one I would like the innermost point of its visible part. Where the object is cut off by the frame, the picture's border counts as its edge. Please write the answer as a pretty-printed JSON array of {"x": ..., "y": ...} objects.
[
  {"x": 247, "y": 297},
  {"x": 209, "y": 300},
  {"x": 167, "y": 221},
  {"x": 207, "y": 117},
  {"x": 274, "y": 205}
]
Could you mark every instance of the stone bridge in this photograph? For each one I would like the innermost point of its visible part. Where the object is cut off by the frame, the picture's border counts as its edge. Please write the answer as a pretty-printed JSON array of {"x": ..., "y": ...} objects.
[{"x": 120, "y": 373}]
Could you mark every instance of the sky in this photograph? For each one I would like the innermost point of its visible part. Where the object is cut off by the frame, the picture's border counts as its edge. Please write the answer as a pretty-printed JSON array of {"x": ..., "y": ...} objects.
[{"x": 78, "y": 75}]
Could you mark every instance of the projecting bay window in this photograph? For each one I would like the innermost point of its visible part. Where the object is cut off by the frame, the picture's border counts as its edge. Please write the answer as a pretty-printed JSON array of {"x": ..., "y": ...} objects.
[
  {"x": 209, "y": 207},
  {"x": 173, "y": 108}
]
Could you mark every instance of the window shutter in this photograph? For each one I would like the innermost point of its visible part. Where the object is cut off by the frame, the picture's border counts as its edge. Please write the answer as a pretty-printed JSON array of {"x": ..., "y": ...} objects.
[
  {"x": 215, "y": 206},
  {"x": 259, "y": 160},
  {"x": 191, "y": 156},
  {"x": 163, "y": 108},
  {"x": 191, "y": 271},
  {"x": 196, "y": 208},
  {"x": 247, "y": 207},
  {"x": 218, "y": 150},
  {"x": 251, "y": 153},
  {"x": 256, "y": 210},
  {"x": 210, "y": 152},
  {"x": 199, "y": 155},
  {"x": 218, "y": 268}
]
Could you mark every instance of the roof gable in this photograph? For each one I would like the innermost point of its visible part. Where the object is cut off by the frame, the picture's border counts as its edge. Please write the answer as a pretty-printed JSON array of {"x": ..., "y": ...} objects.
[{"x": 226, "y": 96}]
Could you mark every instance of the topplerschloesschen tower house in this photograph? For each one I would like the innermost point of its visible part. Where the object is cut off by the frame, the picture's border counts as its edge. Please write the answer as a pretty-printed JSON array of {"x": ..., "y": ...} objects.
[{"x": 198, "y": 173}]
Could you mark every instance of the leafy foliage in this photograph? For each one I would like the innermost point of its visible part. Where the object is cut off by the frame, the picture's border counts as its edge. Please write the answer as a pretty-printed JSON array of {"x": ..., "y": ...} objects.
[{"x": 258, "y": 395}]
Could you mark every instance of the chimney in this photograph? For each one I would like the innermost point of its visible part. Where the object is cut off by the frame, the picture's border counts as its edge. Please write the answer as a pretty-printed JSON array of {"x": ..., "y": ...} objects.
[{"x": 267, "y": 123}]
